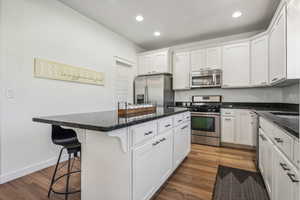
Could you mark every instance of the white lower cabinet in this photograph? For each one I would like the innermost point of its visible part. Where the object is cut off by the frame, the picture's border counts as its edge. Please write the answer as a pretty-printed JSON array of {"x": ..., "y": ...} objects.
[
  {"x": 239, "y": 127},
  {"x": 182, "y": 143},
  {"x": 280, "y": 175},
  {"x": 286, "y": 179},
  {"x": 153, "y": 160},
  {"x": 228, "y": 129}
]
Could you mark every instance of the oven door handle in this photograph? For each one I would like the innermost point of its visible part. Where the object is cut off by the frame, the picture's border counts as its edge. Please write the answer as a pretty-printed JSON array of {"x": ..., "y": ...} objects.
[{"x": 205, "y": 115}]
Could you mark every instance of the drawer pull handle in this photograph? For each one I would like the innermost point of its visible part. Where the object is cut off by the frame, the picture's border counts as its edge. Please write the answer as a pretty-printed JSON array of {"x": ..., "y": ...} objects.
[
  {"x": 168, "y": 125},
  {"x": 179, "y": 120},
  {"x": 163, "y": 139},
  {"x": 148, "y": 133},
  {"x": 278, "y": 140},
  {"x": 284, "y": 166},
  {"x": 293, "y": 178},
  {"x": 274, "y": 79},
  {"x": 184, "y": 127},
  {"x": 155, "y": 143}
]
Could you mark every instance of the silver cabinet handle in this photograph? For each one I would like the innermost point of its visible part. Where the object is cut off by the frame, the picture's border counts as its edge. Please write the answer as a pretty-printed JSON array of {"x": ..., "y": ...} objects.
[
  {"x": 293, "y": 178},
  {"x": 148, "y": 133},
  {"x": 179, "y": 120},
  {"x": 284, "y": 166},
  {"x": 184, "y": 127},
  {"x": 278, "y": 140},
  {"x": 163, "y": 139},
  {"x": 168, "y": 125},
  {"x": 227, "y": 119},
  {"x": 274, "y": 79},
  {"x": 155, "y": 143}
]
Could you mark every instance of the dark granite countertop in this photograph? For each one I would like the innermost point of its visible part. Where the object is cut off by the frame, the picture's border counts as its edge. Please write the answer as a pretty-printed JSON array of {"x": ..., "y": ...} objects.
[
  {"x": 290, "y": 124},
  {"x": 262, "y": 106},
  {"x": 106, "y": 120}
]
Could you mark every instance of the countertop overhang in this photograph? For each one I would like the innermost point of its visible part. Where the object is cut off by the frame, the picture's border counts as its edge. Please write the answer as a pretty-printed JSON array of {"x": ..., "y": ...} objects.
[{"x": 106, "y": 120}]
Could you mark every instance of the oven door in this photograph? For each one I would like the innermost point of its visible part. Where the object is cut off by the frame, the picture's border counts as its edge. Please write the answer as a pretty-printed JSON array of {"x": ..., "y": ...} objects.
[{"x": 206, "y": 124}]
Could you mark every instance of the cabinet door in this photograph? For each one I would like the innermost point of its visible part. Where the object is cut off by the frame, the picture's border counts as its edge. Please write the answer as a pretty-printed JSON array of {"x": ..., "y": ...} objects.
[
  {"x": 198, "y": 60},
  {"x": 161, "y": 63},
  {"x": 278, "y": 49},
  {"x": 181, "y": 71},
  {"x": 236, "y": 65},
  {"x": 286, "y": 178},
  {"x": 182, "y": 143},
  {"x": 228, "y": 129},
  {"x": 144, "y": 171},
  {"x": 260, "y": 61},
  {"x": 164, "y": 157},
  {"x": 213, "y": 58},
  {"x": 142, "y": 68},
  {"x": 269, "y": 148},
  {"x": 244, "y": 128},
  {"x": 262, "y": 155}
]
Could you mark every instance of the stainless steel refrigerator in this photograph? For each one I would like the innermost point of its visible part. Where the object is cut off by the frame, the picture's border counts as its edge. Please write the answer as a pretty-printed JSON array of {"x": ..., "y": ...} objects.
[{"x": 155, "y": 88}]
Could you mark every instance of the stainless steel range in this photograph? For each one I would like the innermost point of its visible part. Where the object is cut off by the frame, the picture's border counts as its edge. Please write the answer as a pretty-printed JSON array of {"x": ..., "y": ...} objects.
[{"x": 205, "y": 122}]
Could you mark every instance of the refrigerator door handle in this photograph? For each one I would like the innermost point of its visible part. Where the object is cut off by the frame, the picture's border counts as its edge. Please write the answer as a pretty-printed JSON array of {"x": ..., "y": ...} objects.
[{"x": 146, "y": 95}]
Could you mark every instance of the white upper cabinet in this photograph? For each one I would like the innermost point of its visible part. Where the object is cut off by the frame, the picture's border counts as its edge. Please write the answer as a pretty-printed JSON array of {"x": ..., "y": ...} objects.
[
  {"x": 154, "y": 62},
  {"x": 236, "y": 65},
  {"x": 214, "y": 58},
  {"x": 181, "y": 71},
  {"x": 260, "y": 61},
  {"x": 198, "y": 60},
  {"x": 210, "y": 58},
  {"x": 278, "y": 49}
]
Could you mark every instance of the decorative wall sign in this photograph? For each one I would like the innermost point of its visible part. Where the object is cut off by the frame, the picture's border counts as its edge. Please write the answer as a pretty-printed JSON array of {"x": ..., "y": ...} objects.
[{"x": 58, "y": 71}]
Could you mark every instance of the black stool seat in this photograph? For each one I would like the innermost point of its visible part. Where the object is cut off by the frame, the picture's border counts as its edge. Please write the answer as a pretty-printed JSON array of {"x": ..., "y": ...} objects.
[{"x": 67, "y": 138}]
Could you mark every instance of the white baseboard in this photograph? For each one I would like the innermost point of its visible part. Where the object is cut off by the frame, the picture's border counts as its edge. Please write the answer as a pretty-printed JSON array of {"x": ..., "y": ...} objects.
[{"x": 30, "y": 169}]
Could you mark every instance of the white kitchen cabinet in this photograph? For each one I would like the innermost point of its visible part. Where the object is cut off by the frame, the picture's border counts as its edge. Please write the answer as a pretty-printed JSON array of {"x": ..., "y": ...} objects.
[
  {"x": 164, "y": 158},
  {"x": 181, "y": 71},
  {"x": 198, "y": 60},
  {"x": 214, "y": 58},
  {"x": 182, "y": 143},
  {"x": 260, "y": 61},
  {"x": 144, "y": 171},
  {"x": 286, "y": 179},
  {"x": 206, "y": 59},
  {"x": 246, "y": 128},
  {"x": 239, "y": 127},
  {"x": 236, "y": 65},
  {"x": 154, "y": 62},
  {"x": 278, "y": 49},
  {"x": 266, "y": 160},
  {"x": 228, "y": 130}
]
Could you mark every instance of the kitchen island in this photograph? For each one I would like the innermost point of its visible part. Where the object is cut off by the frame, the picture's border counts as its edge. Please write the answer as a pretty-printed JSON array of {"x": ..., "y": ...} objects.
[{"x": 127, "y": 158}]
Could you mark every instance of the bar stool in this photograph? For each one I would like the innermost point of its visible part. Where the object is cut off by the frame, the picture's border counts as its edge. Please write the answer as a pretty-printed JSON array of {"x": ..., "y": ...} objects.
[{"x": 66, "y": 138}]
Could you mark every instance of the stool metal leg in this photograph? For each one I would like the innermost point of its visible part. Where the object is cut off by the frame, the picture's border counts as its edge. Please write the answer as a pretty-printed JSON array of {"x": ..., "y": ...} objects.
[
  {"x": 68, "y": 178},
  {"x": 54, "y": 174}
]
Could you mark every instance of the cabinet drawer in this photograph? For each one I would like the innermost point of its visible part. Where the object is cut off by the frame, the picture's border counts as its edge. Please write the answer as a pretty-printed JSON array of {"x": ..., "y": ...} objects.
[
  {"x": 178, "y": 119},
  {"x": 143, "y": 132},
  {"x": 228, "y": 112},
  {"x": 283, "y": 141},
  {"x": 187, "y": 116},
  {"x": 165, "y": 124}
]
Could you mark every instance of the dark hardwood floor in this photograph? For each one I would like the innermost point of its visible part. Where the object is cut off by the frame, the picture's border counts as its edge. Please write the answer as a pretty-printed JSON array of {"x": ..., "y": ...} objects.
[{"x": 193, "y": 180}]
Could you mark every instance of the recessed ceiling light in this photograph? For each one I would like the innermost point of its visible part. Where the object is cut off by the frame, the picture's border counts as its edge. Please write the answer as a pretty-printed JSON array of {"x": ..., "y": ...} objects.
[
  {"x": 237, "y": 14},
  {"x": 156, "y": 33},
  {"x": 139, "y": 18}
]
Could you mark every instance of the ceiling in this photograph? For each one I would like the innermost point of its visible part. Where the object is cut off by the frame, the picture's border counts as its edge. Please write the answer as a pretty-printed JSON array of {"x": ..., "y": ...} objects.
[{"x": 179, "y": 21}]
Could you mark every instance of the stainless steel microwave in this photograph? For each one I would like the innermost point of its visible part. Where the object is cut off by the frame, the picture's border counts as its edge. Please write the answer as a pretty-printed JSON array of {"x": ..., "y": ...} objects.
[{"x": 206, "y": 78}]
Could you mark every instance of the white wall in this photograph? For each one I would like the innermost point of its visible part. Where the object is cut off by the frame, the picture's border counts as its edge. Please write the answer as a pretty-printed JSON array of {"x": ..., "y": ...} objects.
[
  {"x": 290, "y": 94},
  {"x": 235, "y": 95},
  {"x": 50, "y": 30}
]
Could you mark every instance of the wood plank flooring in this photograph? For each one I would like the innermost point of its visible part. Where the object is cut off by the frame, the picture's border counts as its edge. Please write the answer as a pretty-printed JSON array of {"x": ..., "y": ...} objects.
[{"x": 193, "y": 180}]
